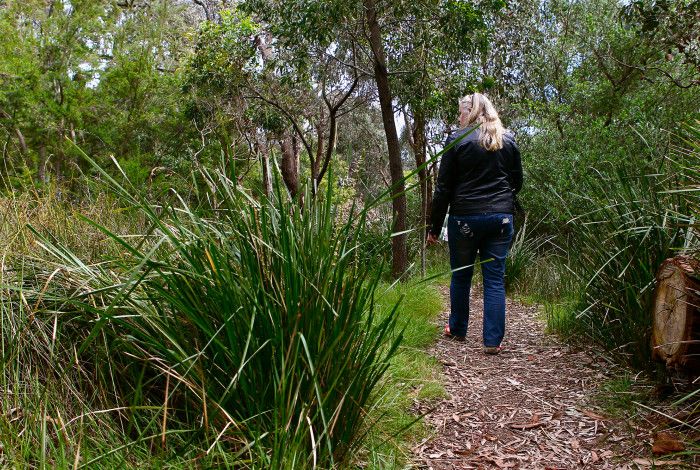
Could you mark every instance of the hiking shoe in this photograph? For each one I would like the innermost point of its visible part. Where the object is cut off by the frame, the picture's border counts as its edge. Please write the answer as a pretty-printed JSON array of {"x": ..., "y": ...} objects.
[
  {"x": 449, "y": 335},
  {"x": 492, "y": 350}
]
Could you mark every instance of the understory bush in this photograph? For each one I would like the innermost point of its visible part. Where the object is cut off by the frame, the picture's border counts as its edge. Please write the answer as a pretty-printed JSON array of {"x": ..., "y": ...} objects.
[
  {"x": 248, "y": 328},
  {"x": 526, "y": 248},
  {"x": 635, "y": 217}
]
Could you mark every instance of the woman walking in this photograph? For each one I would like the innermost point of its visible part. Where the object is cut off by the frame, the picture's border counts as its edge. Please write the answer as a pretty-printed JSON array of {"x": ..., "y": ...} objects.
[{"x": 478, "y": 179}]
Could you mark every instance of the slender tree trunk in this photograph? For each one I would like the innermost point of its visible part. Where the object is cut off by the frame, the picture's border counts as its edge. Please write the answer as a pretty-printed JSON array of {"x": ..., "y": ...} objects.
[
  {"x": 381, "y": 76},
  {"x": 22, "y": 142},
  {"x": 20, "y": 137},
  {"x": 316, "y": 163},
  {"x": 267, "y": 175},
  {"x": 332, "y": 140},
  {"x": 417, "y": 140},
  {"x": 41, "y": 170},
  {"x": 263, "y": 152},
  {"x": 290, "y": 163},
  {"x": 421, "y": 156}
]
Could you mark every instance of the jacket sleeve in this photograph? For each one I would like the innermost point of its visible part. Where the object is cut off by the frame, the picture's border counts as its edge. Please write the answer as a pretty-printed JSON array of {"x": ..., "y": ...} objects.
[
  {"x": 443, "y": 189},
  {"x": 516, "y": 170}
]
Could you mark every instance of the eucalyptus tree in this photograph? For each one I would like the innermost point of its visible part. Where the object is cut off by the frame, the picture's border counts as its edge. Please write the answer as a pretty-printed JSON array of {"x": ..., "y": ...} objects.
[
  {"x": 138, "y": 113},
  {"x": 583, "y": 81},
  {"x": 43, "y": 96},
  {"x": 674, "y": 27},
  {"x": 560, "y": 60},
  {"x": 310, "y": 96},
  {"x": 437, "y": 51},
  {"x": 100, "y": 73},
  {"x": 370, "y": 38},
  {"x": 281, "y": 100}
]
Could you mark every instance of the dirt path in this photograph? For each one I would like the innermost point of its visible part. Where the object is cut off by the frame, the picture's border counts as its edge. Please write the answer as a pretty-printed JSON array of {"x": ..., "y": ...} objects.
[{"x": 527, "y": 408}]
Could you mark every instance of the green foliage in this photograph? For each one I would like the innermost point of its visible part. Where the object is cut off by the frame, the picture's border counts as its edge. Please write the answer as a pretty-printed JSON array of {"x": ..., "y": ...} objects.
[
  {"x": 264, "y": 300},
  {"x": 413, "y": 373},
  {"x": 40, "y": 364},
  {"x": 224, "y": 55},
  {"x": 524, "y": 252},
  {"x": 620, "y": 395},
  {"x": 671, "y": 24},
  {"x": 623, "y": 224}
]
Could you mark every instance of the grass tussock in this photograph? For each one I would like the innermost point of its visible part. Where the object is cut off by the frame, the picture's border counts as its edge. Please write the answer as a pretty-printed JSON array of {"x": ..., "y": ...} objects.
[
  {"x": 412, "y": 375},
  {"x": 597, "y": 280},
  {"x": 53, "y": 213},
  {"x": 244, "y": 334}
]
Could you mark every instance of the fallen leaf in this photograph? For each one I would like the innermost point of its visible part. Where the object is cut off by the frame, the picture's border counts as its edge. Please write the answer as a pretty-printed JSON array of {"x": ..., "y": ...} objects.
[
  {"x": 594, "y": 415},
  {"x": 526, "y": 426},
  {"x": 656, "y": 463},
  {"x": 666, "y": 443},
  {"x": 594, "y": 457},
  {"x": 501, "y": 464},
  {"x": 463, "y": 453}
]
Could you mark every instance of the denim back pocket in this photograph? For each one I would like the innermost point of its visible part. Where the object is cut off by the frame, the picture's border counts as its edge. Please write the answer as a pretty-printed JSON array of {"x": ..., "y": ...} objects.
[{"x": 506, "y": 225}]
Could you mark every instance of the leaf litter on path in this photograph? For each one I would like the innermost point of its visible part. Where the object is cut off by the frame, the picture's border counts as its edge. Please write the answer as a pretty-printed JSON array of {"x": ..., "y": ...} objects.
[{"x": 528, "y": 407}]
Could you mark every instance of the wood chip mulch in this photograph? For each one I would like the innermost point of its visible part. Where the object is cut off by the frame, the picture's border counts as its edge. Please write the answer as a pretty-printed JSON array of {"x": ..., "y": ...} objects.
[{"x": 528, "y": 408}]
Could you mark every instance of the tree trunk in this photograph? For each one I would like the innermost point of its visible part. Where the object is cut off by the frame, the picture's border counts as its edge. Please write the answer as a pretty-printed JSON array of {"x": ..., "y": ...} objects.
[
  {"x": 420, "y": 154},
  {"x": 41, "y": 170},
  {"x": 316, "y": 162},
  {"x": 332, "y": 140},
  {"x": 290, "y": 163},
  {"x": 417, "y": 140},
  {"x": 381, "y": 76},
  {"x": 58, "y": 151},
  {"x": 20, "y": 137},
  {"x": 22, "y": 142},
  {"x": 264, "y": 154},
  {"x": 676, "y": 314}
]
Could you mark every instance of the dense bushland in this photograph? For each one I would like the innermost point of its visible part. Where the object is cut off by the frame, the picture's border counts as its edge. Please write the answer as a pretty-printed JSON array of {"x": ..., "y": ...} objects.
[
  {"x": 250, "y": 328},
  {"x": 193, "y": 310},
  {"x": 616, "y": 222}
]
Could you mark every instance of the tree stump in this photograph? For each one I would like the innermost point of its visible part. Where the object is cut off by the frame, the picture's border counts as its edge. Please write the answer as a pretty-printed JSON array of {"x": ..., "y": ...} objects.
[{"x": 676, "y": 329}]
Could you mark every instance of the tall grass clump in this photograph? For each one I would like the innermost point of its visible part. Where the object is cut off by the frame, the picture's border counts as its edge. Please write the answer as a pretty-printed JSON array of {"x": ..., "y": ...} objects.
[
  {"x": 527, "y": 247},
  {"x": 247, "y": 328},
  {"x": 639, "y": 219}
]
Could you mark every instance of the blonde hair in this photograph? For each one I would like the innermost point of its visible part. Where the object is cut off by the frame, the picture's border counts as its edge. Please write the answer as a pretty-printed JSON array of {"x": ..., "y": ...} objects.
[{"x": 479, "y": 110}]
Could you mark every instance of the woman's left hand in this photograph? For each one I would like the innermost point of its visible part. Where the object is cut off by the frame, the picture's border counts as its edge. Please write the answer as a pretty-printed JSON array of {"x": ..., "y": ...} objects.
[{"x": 432, "y": 239}]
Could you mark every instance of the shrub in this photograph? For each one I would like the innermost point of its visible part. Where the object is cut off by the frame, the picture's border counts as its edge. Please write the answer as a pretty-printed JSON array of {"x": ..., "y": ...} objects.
[
  {"x": 524, "y": 252},
  {"x": 249, "y": 326},
  {"x": 641, "y": 217}
]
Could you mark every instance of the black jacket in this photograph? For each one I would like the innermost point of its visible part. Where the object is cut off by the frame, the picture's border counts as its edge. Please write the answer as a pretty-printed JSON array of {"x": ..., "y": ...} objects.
[{"x": 473, "y": 180}]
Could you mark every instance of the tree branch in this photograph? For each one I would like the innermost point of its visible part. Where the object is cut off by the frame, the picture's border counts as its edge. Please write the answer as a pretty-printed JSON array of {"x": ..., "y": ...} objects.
[{"x": 291, "y": 119}]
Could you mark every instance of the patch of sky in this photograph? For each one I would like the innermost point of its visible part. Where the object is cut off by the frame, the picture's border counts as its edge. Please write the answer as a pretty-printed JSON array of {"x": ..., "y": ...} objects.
[
  {"x": 574, "y": 63},
  {"x": 550, "y": 92},
  {"x": 94, "y": 82}
]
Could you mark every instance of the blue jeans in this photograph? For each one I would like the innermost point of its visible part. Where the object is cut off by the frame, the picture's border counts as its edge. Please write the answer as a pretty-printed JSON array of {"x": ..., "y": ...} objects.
[{"x": 489, "y": 235}]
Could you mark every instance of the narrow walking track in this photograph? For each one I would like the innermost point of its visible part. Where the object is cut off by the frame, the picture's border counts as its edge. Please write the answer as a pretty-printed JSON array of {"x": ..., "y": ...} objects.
[{"x": 527, "y": 408}]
